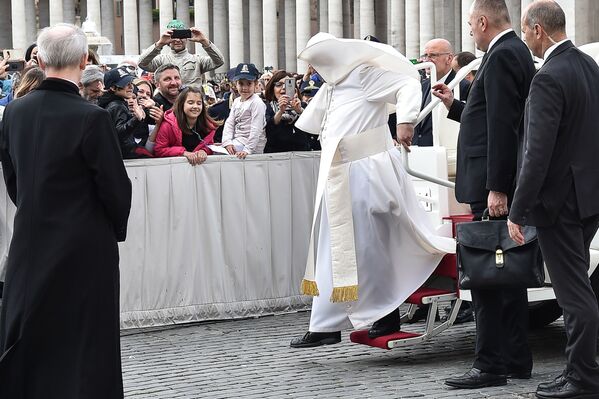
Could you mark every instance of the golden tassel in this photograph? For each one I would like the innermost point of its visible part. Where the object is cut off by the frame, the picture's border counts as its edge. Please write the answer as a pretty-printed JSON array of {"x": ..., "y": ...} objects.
[
  {"x": 309, "y": 287},
  {"x": 345, "y": 294}
]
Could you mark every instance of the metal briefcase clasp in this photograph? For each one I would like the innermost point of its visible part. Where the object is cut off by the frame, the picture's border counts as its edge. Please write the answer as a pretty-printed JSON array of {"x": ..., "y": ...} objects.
[{"x": 499, "y": 258}]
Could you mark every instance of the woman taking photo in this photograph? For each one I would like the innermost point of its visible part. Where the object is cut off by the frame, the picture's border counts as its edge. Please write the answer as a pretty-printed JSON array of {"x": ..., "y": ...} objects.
[
  {"x": 282, "y": 110},
  {"x": 186, "y": 130}
]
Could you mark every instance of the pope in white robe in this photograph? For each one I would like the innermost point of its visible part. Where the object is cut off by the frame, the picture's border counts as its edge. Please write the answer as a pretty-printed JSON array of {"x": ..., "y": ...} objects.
[{"x": 376, "y": 245}]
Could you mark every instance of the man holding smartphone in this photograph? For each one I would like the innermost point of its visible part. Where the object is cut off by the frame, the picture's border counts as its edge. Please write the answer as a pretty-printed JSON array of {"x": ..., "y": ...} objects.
[{"x": 192, "y": 66}]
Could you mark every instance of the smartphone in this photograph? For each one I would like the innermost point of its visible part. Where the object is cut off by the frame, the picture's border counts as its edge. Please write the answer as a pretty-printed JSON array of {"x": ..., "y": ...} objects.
[
  {"x": 16, "y": 66},
  {"x": 290, "y": 87},
  {"x": 181, "y": 34}
]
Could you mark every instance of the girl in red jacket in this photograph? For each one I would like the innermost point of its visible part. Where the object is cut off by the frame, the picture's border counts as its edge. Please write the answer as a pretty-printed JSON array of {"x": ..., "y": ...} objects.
[{"x": 187, "y": 129}]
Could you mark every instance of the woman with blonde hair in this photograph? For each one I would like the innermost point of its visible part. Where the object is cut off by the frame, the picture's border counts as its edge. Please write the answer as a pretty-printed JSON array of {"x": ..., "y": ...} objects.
[{"x": 30, "y": 80}]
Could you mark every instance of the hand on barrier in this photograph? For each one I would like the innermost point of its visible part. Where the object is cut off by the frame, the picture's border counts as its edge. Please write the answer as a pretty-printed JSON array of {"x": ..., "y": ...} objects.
[
  {"x": 405, "y": 132},
  {"x": 443, "y": 92}
]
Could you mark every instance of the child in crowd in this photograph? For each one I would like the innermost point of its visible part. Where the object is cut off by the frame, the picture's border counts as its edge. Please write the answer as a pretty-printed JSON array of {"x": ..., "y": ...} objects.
[
  {"x": 243, "y": 133},
  {"x": 187, "y": 129}
]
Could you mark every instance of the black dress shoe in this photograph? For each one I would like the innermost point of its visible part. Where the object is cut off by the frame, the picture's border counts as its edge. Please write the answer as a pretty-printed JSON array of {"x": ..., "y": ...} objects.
[
  {"x": 385, "y": 326},
  {"x": 312, "y": 339},
  {"x": 475, "y": 378},
  {"x": 567, "y": 391},
  {"x": 557, "y": 382},
  {"x": 420, "y": 314},
  {"x": 465, "y": 314},
  {"x": 519, "y": 375}
]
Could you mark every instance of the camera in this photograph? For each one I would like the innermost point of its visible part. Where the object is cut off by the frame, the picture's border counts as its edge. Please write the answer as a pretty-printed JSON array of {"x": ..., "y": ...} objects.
[
  {"x": 181, "y": 34},
  {"x": 16, "y": 66},
  {"x": 290, "y": 87}
]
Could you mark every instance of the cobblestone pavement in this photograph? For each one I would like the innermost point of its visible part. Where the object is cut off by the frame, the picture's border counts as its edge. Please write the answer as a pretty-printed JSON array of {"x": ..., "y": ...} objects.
[{"x": 251, "y": 358}]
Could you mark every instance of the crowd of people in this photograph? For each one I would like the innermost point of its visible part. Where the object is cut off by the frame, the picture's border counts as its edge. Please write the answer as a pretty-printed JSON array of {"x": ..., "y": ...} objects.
[
  {"x": 140, "y": 97},
  {"x": 519, "y": 157}
]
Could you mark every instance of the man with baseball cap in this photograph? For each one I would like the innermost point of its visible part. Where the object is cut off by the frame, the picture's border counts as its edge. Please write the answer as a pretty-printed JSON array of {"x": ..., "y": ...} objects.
[{"x": 192, "y": 66}]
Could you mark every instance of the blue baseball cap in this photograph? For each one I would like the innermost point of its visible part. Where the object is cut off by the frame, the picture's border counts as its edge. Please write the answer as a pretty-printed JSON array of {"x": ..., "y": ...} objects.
[
  {"x": 245, "y": 71},
  {"x": 119, "y": 77}
]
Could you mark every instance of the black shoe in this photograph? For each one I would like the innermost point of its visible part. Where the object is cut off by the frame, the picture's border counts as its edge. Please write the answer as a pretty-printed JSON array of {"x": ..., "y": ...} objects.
[
  {"x": 420, "y": 314},
  {"x": 465, "y": 314},
  {"x": 312, "y": 339},
  {"x": 557, "y": 382},
  {"x": 385, "y": 326},
  {"x": 519, "y": 375},
  {"x": 475, "y": 378},
  {"x": 567, "y": 391}
]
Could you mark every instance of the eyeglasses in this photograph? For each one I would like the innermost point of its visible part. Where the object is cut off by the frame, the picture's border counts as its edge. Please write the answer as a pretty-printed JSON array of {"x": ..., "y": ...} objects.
[{"x": 432, "y": 56}]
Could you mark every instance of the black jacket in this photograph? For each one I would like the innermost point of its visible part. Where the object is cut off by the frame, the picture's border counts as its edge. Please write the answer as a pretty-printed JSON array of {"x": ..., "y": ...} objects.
[
  {"x": 423, "y": 132},
  {"x": 491, "y": 121},
  {"x": 284, "y": 136},
  {"x": 159, "y": 99},
  {"x": 59, "y": 327},
  {"x": 127, "y": 125},
  {"x": 220, "y": 112},
  {"x": 561, "y": 141}
]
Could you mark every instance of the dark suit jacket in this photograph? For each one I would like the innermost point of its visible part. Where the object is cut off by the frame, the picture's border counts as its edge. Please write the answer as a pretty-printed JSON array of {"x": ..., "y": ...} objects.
[
  {"x": 561, "y": 140},
  {"x": 491, "y": 121},
  {"x": 423, "y": 132}
]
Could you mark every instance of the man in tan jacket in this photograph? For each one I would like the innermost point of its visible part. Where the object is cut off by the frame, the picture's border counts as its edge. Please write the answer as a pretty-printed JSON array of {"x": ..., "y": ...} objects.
[{"x": 191, "y": 66}]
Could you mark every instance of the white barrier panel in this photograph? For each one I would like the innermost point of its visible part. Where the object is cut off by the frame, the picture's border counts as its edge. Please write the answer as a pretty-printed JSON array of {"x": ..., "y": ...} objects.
[{"x": 225, "y": 239}]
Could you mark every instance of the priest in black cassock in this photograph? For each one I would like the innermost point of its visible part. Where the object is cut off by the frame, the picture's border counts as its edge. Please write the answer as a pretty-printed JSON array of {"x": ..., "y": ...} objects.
[{"x": 59, "y": 326}]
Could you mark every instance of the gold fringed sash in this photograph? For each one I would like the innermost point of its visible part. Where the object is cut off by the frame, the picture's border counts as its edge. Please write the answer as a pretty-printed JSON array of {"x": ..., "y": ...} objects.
[
  {"x": 309, "y": 288},
  {"x": 345, "y": 294}
]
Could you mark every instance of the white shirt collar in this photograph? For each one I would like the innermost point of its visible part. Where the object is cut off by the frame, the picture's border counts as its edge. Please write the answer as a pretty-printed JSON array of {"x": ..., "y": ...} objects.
[
  {"x": 444, "y": 78},
  {"x": 505, "y": 32},
  {"x": 550, "y": 49}
]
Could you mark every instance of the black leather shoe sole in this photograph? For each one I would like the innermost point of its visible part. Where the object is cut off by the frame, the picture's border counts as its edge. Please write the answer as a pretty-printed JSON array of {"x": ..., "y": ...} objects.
[
  {"x": 469, "y": 384},
  {"x": 303, "y": 342}
]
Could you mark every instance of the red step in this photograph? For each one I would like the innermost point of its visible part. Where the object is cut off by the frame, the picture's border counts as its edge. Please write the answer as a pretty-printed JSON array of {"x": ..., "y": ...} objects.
[
  {"x": 447, "y": 267},
  {"x": 361, "y": 337}
]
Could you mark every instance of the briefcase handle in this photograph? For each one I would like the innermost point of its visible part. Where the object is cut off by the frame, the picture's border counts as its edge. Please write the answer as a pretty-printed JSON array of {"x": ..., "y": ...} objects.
[{"x": 485, "y": 217}]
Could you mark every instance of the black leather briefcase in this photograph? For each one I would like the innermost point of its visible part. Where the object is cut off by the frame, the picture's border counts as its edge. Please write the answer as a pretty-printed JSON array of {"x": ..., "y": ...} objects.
[{"x": 489, "y": 258}]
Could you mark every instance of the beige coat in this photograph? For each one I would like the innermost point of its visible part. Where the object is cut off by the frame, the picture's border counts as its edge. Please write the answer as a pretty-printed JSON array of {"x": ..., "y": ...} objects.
[{"x": 191, "y": 66}]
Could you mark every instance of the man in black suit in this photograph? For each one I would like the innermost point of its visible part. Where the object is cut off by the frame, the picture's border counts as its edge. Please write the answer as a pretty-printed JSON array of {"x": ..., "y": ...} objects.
[
  {"x": 558, "y": 187},
  {"x": 440, "y": 53},
  {"x": 491, "y": 125},
  {"x": 59, "y": 324}
]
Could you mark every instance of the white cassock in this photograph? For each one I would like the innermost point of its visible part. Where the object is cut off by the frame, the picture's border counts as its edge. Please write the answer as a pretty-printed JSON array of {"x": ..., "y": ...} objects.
[{"x": 396, "y": 247}]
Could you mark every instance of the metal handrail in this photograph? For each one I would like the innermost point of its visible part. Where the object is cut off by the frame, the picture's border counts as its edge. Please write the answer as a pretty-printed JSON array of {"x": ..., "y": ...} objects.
[{"x": 435, "y": 101}]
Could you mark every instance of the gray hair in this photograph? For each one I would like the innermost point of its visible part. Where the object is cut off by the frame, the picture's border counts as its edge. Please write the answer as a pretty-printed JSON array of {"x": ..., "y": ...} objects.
[
  {"x": 61, "y": 45},
  {"x": 90, "y": 74},
  {"x": 548, "y": 14},
  {"x": 495, "y": 10},
  {"x": 163, "y": 68}
]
